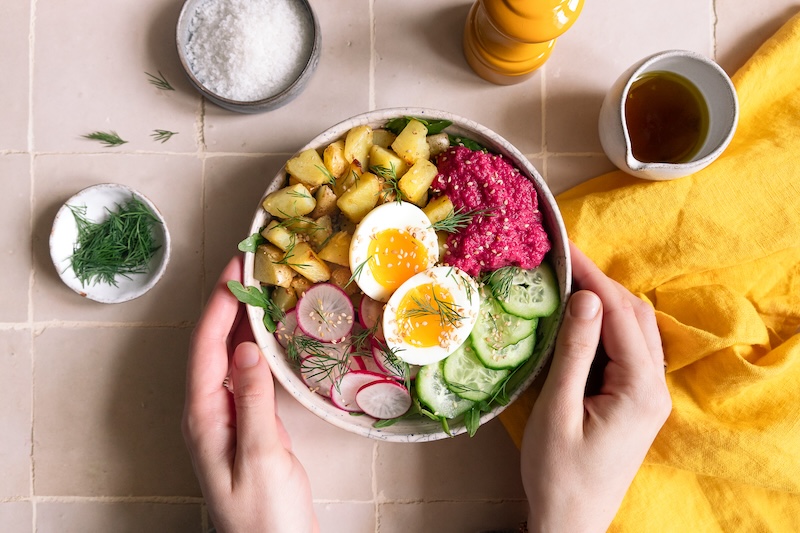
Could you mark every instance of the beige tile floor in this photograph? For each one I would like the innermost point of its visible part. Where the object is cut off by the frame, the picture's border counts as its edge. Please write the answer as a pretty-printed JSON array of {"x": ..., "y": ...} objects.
[{"x": 92, "y": 394}]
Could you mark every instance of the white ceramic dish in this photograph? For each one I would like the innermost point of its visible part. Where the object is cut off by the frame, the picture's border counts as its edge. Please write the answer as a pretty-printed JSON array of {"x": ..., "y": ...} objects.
[
  {"x": 717, "y": 90},
  {"x": 422, "y": 429},
  {"x": 98, "y": 199}
]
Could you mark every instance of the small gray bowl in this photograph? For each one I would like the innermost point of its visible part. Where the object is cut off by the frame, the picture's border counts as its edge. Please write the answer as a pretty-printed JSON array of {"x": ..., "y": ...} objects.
[{"x": 274, "y": 101}]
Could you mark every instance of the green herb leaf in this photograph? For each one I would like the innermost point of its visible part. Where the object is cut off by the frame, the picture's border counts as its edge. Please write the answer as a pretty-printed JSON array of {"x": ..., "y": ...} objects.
[
  {"x": 247, "y": 295},
  {"x": 162, "y": 135},
  {"x": 250, "y": 244},
  {"x": 160, "y": 81},
  {"x": 459, "y": 219},
  {"x": 457, "y": 140},
  {"x": 108, "y": 139},
  {"x": 396, "y": 125},
  {"x": 472, "y": 420}
]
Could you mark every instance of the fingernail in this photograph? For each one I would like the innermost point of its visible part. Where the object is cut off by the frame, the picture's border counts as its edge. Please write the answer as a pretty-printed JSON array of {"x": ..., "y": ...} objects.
[
  {"x": 246, "y": 356},
  {"x": 584, "y": 304}
]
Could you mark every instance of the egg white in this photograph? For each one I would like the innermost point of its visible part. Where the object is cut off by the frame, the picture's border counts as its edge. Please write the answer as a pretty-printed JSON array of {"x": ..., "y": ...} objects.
[
  {"x": 464, "y": 291},
  {"x": 392, "y": 215}
]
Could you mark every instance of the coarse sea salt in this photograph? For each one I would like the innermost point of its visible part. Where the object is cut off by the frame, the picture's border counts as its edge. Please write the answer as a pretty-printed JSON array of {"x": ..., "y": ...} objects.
[{"x": 248, "y": 50}]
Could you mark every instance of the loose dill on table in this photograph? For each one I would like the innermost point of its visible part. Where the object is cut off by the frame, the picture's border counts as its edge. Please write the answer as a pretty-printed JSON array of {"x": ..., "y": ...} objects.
[{"x": 121, "y": 245}]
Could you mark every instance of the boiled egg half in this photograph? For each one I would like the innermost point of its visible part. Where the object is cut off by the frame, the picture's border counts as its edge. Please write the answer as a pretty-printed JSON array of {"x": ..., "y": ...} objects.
[
  {"x": 391, "y": 244},
  {"x": 431, "y": 315}
]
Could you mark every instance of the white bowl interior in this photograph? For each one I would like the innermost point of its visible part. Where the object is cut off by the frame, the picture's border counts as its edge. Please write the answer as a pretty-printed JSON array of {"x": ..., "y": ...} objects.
[
  {"x": 421, "y": 429},
  {"x": 98, "y": 199}
]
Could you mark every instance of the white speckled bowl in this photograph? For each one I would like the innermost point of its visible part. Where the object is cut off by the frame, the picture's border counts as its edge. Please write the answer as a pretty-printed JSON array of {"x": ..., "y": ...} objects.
[
  {"x": 98, "y": 199},
  {"x": 422, "y": 429}
]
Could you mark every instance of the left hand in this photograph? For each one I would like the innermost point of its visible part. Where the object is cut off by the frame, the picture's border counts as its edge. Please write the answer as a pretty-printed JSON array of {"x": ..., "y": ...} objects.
[{"x": 240, "y": 450}]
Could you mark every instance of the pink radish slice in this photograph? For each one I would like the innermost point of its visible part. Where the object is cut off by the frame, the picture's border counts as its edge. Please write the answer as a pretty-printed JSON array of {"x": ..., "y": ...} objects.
[
  {"x": 365, "y": 362},
  {"x": 319, "y": 373},
  {"x": 381, "y": 359},
  {"x": 285, "y": 328},
  {"x": 370, "y": 313},
  {"x": 325, "y": 312},
  {"x": 343, "y": 392},
  {"x": 383, "y": 399}
]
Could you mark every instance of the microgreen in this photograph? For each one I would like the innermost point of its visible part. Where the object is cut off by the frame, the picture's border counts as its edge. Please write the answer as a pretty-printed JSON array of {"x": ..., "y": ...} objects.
[
  {"x": 108, "y": 139},
  {"x": 160, "y": 81},
  {"x": 258, "y": 297},
  {"x": 251, "y": 243}
]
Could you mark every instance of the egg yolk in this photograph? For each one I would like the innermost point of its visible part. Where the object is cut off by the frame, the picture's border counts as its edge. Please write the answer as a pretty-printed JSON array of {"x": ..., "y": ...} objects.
[
  {"x": 395, "y": 255},
  {"x": 427, "y": 316}
]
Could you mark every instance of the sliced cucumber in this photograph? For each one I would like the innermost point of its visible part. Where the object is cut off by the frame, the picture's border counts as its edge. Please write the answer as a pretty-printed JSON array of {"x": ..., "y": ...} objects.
[
  {"x": 509, "y": 356},
  {"x": 468, "y": 377},
  {"x": 433, "y": 392},
  {"x": 532, "y": 293},
  {"x": 497, "y": 328}
]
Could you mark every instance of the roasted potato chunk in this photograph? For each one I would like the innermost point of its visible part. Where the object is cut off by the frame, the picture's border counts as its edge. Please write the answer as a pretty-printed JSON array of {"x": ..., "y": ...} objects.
[
  {"x": 383, "y": 138},
  {"x": 416, "y": 182},
  {"x": 337, "y": 250},
  {"x": 357, "y": 144},
  {"x": 308, "y": 168},
  {"x": 279, "y": 235},
  {"x": 300, "y": 285},
  {"x": 348, "y": 179},
  {"x": 284, "y": 297},
  {"x": 292, "y": 201},
  {"x": 412, "y": 144},
  {"x": 359, "y": 199},
  {"x": 388, "y": 160},
  {"x": 326, "y": 203},
  {"x": 438, "y": 209},
  {"x": 323, "y": 228},
  {"x": 340, "y": 276},
  {"x": 305, "y": 262},
  {"x": 334, "y": 159},
  {"x": 266, "y": 270}
]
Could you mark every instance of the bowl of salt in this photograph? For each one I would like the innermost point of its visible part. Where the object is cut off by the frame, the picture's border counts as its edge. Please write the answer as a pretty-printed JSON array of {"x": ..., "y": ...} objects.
[{"x": 248, "y": 56}]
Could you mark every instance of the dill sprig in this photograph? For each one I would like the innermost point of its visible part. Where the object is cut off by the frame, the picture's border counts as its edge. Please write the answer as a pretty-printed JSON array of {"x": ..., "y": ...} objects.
[
  {"x": 357, "y": 271},
  {"x": 108, "y": 139},
  {"x": 328, "y": 174},
  {"x": 121, "y": 245},
  {"x": 162, "y": 135},
  {"x": 289, "y": 253},
  {"x": 160, "y": 81},
  {"x": 459, "y": 219},
  {"x": 391, "y": 182},
  {"x": 500, "y": 282},
  {"x": 448, "y": 312}
]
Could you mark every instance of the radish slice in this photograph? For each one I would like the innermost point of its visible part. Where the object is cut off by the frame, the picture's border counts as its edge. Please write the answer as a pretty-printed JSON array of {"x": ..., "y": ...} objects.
[
  {"x": 370, "y": 313},
  {"x": 320, "y": 372},
  {"x": 391, "y": 368},
  {"x": 285, "y": 328},
  {"x": 325, "y": 313},
  {"x": 365, "y": 362},
  {"x": 343, "y": 392},
  {"x": 383, "y": 399}
]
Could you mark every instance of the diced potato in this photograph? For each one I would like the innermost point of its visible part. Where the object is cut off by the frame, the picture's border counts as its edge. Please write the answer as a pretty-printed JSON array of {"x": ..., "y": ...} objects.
[
  {"x": 284, "y": 297},
  {"x": 311, "y": 188},
  {"x": 357, "y": 144},
  {"x": 303, "y": 225},
  {"x": 340, "y": 276},
  {"x": 279, "y": 235},
  {"x": 308, "y": 168},
  {"x": 266, "y": 270},
  {"x": 337, "y": 250},
  {"x": 305, "y": 262},
  {"x": 334, "y": 159},
  {"x": 417, "y": 180},
  {"x": 348, "y": 179},
  {"x": 359, "y": 199},
  {"x": 438, "y": 208},
  {"x": 300, "y": 285},
  {"x": 383, "y": 138},
  {"x": 438, "y": 143},
  {"x": 412, "y": 144},
  {"x": 441, "y": 237},
  {"x": 322, "y": 231},
  {"x": 291, "y": 201},
  {"x": 385, "y": 158},
  {"x": 326, "y": 202}
]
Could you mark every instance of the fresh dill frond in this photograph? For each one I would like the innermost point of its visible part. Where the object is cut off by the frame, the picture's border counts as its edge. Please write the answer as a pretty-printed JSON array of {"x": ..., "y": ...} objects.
[
  {"x": 448, "y": 312},
  {"x": 160, "y": 81},
  {"x": 108, "y": 139},
  {"x": 300, "y": 345},
  {"x": 289, "y": 253},
  {"x": 298, "y": 194},
  {"x": 391, "y": 187},
  {"x": 458, "y": 220},
  {"x": 328, "y": 174},
  {"x": 357, "y": 271},
  {"x": 162, "y": 135},
  {"x": 500, "y": 282}
]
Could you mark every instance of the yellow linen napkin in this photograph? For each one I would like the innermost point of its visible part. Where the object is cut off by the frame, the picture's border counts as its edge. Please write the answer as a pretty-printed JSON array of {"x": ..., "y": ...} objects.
[{"x": 718, "y": 256}]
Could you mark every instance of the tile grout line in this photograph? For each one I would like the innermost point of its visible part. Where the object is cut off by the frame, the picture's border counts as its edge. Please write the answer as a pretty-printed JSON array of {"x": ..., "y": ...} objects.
[
  {"x": 32, "y": 275},
  {"x": 714, "y": 22}
]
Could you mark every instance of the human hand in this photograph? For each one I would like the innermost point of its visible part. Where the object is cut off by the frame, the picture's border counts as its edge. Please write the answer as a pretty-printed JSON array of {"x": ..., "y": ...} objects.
[
  {"x": 240, "y": 450},
  {"x": 580, "y": 453}
]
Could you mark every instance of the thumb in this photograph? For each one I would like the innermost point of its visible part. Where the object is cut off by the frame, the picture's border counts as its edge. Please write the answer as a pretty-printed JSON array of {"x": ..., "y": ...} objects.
[
  {"x": 254, "y": 400},
  {"x": 575, "y": 350}
]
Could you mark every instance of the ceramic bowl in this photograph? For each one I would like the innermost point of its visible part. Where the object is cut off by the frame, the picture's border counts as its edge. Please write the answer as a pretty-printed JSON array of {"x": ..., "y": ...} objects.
[
  {"x": 421, "y": 429},
  {"x": 283, "y": 97},
  {"x": 717, "y": 90},
  {"x": 98, "y": 199}
]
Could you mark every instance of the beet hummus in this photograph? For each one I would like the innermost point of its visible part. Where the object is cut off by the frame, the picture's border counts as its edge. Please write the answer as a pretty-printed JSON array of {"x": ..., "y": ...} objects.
[{"x": 510, "y": 231}]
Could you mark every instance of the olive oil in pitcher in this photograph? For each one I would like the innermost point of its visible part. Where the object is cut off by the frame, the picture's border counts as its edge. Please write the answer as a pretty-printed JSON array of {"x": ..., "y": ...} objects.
[{"x": 666, "y": 117}]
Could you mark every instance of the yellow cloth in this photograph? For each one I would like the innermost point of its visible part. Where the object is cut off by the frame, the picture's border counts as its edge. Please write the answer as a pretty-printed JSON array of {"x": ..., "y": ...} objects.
[{"x": 718, "y": 256}]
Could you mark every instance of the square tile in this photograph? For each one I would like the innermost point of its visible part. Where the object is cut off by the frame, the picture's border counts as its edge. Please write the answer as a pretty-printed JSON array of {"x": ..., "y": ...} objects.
[
  {"x": 485, "y": 466},
  {"x": 452, "y": 517},
  {"x": 14, "y": 64},
  {"x": 101, "y": 517},
  {"x": 338, "y": 463},
  {"x": 567, "y": 171},
  {"x": 108, "y": 412},
  {"x": 338, "y": 89},
  {"x": 429, "y": 70},
  {"x": 345, "y": 517},
  {"x": 597, "y": 49},
  {"x": 90, "y": 72},
  {"x": 15, "y": 412},
  {"x": 15, "y": 244},
  {"x": 16, "y": 517},
  {"x": 173, "y": 183},
  {"x": 234, "y": 186}
]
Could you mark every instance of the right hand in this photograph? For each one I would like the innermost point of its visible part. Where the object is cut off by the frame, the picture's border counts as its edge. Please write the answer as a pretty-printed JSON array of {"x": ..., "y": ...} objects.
[{"x": 580, "y": 453}]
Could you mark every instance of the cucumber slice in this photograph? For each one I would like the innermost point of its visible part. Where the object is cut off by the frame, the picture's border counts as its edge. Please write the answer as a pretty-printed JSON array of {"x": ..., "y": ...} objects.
[
  {"x": 466, "y": 376},
  {"x": 509, "y": 356},
  {"x": 532, "y": 293},
  {"x": 497, "y": 328},
  {"x": 433, "y": 392}
]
